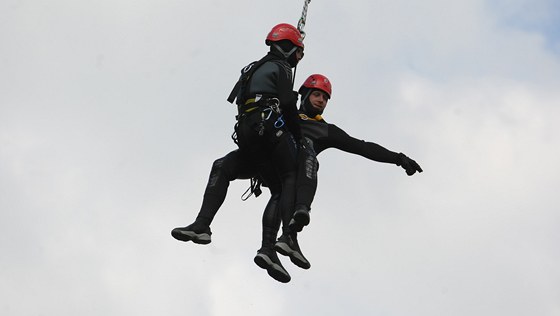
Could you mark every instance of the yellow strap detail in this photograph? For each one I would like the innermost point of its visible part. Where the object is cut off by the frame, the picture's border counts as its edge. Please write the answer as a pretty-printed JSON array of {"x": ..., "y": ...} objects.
[
  {"x": 306, "y": 118},
  {"x": 250, "y": 101},
  {"x": 251, "y": 109}
]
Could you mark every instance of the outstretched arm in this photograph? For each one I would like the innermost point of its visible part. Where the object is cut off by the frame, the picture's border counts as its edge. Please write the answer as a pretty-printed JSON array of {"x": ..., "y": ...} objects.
[{"x": 341, "y": 140}]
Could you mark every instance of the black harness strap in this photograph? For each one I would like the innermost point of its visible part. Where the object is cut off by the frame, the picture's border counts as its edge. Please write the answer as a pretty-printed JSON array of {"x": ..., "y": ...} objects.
[
  {"x": 254, "y": 188},
  {"x": 246, "y": 73}
]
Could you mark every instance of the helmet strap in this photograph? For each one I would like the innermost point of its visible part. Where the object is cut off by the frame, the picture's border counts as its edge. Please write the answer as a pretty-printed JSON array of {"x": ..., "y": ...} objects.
[
  {"x": 284, "y": 53},
  {"x": 305, "y": 98}
]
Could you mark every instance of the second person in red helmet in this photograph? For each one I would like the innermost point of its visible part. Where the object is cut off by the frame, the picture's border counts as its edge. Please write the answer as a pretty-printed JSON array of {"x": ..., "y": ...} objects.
[{"x": 318, "y": 136}]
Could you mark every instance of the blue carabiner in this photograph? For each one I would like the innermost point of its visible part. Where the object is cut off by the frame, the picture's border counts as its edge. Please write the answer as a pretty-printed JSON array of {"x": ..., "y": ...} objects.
[{"x": 279, "y": 122}]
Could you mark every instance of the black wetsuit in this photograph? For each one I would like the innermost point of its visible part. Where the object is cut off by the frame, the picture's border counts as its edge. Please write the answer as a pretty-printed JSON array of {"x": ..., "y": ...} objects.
[
  {"x": 321, "y": 135},
  {"x": 267, "y": 135}
]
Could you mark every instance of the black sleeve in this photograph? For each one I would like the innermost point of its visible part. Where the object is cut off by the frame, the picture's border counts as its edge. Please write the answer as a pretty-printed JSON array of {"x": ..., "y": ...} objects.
[
  {"x": 337, "y": 138},
  {"x": 288, "y": 101}
]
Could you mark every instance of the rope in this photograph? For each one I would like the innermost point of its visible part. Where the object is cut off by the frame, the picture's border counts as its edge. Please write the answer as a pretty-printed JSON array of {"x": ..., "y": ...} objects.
[
  {"x": 302, "y": 20},
  {"x": 300, "y": 26}
]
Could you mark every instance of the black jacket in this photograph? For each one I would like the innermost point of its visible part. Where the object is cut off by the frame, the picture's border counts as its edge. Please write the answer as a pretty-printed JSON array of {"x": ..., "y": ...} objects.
[
  {"x": 273, "y": 78},
  {"x": 324, "y": 135}
]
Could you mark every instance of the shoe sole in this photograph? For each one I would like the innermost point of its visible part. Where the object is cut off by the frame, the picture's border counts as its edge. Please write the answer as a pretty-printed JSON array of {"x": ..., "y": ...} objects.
[
  {"x": 273, "y": 269},
  {"x": 295, "y": 256},
  {"x": 202, "y": 239}
]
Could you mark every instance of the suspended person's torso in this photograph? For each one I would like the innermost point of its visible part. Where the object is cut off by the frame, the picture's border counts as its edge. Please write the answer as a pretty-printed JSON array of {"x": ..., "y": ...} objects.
[{"x": 269, "y": 79}]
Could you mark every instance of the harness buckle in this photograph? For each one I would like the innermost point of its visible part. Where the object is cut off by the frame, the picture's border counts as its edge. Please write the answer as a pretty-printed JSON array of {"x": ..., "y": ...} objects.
[{"x": 274, "y": 104}]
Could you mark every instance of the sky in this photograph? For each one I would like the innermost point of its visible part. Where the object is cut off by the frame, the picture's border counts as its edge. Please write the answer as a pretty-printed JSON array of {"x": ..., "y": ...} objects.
[{"x": 112, "y": 112}]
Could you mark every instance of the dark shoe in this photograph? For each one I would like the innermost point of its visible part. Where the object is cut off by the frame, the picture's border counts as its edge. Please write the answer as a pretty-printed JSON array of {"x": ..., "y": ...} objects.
[
  {"x": 198, "y": 233},
  {"x": 300, "y": 219},
  {"x": 267, "y": 259},
  {"x": 287, "y": 245}
]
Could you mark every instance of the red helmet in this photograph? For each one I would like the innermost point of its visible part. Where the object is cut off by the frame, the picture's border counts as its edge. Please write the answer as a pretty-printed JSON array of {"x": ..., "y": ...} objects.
[
  {"x": 284, "y": 31},
  {"x": 319, "y": 82}
]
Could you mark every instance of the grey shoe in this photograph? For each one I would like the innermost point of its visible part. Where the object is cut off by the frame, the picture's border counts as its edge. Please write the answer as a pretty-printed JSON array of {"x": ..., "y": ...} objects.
[
  {"x": 287, "y": 245},
  {"x": 300, "y": 219},
  {"x": 198, "y": 233},
  {"x": 267, "y": 259}
]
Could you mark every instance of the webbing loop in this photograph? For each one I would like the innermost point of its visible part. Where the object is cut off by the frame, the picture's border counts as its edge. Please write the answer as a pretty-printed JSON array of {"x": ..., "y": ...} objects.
[{"x": 254, "y": 188}]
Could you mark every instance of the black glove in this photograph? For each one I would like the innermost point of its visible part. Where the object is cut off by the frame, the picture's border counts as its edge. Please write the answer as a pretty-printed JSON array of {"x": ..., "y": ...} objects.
[
  {"x": 295, "y": 97},
  {"x": 409, "y": 165}
]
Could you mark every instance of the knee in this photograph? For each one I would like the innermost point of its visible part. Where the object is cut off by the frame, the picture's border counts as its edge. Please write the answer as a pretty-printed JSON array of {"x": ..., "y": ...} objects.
[
  {"x": 217, "y": 166},
  {"x": 275, "y": 188},
  {"x": 311, "y": 167},
  {"x": 226, "y": 167},
  {"x": 275, "y": 194}
]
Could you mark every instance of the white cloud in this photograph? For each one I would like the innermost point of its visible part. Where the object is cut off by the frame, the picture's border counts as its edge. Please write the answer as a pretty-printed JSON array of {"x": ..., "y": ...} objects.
[{"x": 111, "y": 114}]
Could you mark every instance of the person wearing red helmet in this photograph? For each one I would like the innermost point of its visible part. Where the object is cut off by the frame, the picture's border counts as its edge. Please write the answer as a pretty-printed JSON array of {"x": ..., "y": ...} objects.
[
  {"x": 315, "y": 92},
  {"x": 267, "y": 130},
  {"x": 319, "y": 135},
  {"x": 288, "y": 41}
]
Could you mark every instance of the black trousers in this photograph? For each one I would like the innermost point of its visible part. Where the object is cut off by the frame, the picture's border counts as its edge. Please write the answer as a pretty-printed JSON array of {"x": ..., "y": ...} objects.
[{"x": 291, "y": 175}]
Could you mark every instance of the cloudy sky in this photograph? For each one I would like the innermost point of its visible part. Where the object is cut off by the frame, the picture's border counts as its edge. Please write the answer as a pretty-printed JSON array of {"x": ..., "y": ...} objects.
[{"x": 112, "y": 112}]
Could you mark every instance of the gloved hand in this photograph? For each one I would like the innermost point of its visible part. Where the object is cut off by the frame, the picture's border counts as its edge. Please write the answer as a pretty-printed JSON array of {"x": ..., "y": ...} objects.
[
  {"x": 409, "y": 165},
  {"x": 293, "y": 99},
  {"x": 295, "y": 96}
]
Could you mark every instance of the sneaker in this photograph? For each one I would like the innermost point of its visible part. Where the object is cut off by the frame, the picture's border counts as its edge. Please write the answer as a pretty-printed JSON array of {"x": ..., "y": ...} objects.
[
  {"x": 300, "y": 219},
  {"x": 287, "y": 245},
  {"x": 267, "y": 259},
  {"x": 198, "y": 233}
]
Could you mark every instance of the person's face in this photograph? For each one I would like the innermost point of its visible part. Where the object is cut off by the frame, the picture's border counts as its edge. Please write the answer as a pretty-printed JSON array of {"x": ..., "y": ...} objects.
[
  {"x": 299, "y": 54},
  {"x": 318, "y": 100}
]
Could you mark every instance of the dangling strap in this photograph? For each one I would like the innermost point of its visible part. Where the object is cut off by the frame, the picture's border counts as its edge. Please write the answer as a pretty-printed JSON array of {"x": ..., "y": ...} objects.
[
  {"x": 254, "y": 188},
  {"x": 234, "y": 134}
]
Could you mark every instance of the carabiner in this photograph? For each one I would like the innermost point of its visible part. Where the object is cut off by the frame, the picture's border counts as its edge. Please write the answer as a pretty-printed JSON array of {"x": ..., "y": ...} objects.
[
  {"x": 269, "y": 110},
  {"x": 279, "y": 122}
]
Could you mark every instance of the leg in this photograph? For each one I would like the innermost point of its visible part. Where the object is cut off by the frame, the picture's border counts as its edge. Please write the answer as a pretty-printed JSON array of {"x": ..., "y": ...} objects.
[
  {"x": 306, "y": 186},
  {"x": 287, "y": 243},
  {"x": 266, "y": 257},
  {"x": 224, "y": 170},
  {"x": 284, "y": 160}
]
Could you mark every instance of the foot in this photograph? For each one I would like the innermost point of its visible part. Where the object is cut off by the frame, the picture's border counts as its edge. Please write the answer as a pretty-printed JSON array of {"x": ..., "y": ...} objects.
[
  {"x": 300, "y": 219},
  {"x": 198, "y": 233},
  {"x": 267, "y": 259},
  {"x": 287, "y": 245}
]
